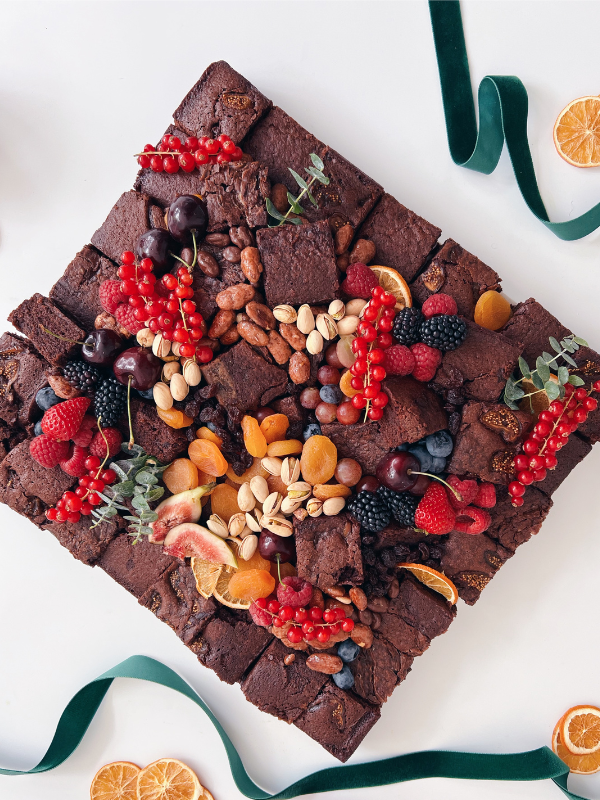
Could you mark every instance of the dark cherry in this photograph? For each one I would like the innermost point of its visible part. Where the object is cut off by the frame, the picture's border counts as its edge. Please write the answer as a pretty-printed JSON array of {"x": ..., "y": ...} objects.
[
  {"x": 102, "y": 347},
  {"x": 155, "y": 244},
  {"x": 141, "y": 365},
  {"x": 276, "y": 548},
  {"x": 186, "y": 214},
  {"x": 368, "y": 483},
  {"x": 420, "y": 486},
  {"x": 395, "y": 471},
  {"x": 262, "y": 413}
]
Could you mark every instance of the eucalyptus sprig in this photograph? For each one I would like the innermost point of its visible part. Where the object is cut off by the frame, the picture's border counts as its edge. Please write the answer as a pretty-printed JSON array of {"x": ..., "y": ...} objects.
[
  {"x": 139, "y": 476},
  {"x": 316, "y": 174},
  {"x": 548, "y": 376}
]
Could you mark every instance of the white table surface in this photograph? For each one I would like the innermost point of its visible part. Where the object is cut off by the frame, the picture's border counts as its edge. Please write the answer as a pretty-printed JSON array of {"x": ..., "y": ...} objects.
[{"x": 85, "y": 85}]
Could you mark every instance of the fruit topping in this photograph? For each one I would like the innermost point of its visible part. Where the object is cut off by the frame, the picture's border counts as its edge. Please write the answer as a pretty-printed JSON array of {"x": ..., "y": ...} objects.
[
  {"x": 62, "y": 421},
  {"x": 106, "y": 444},
  {"x": 472, "y": 520},
  {"x": 74, "y": 464},
  {"x": 294, "y": 592},
  {"x": 407, "y": 325},
  {"x": 86, "y": 431},
  {"x": 467, "y": 489},
  {"x": 224, "y": 501},
  {"x": 254, "y": 438},
  {"x": 102, "y": 347},
  {"x": 287, "y": 447},
  {"x": 391, "y": 281},
  {"x": 138, "y": 367},
  {"x": 359, "y": 281},
  {"x": 398, "y": 360},
  {"x": 111, "y": 296},
  {"x": 188, "y": 539},
  {"x": 207, "y": 457},
  {"x": 155, "y": 244},
  {"x": 180, "y": 508},
  {"x": 439, "y": 304},
  {"x": 492, "y": 311},
  {"x": 181, "y": 476},
  {"x": 276, "y": 548},
  {"x": 395, "y": 470},
  {"x": 444, "y": 332},
  {"x": 110, "y": 401},
  {"x": 187, "y": 218},
  {"x": 371, "y": 510},
  {"x": 434, "y": 580},
  {"x": 348, "y": 472},
  {"x": 174, "y": 418},
  {"x": 427, "y": 361},
  {"x": 434, "y": 513},
  {"x": 486, "y": 496},
  {"x": 251, "y": 584},
  {"x": 402, "y": 505},
  {"x": 319, "y": 460},
  {"x": 47, "y": 451}
]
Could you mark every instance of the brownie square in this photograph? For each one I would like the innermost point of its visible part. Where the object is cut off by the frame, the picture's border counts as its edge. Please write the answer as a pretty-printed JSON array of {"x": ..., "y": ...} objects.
[
  {"x": 338, "y": 721},
  {"x": 458, "y": 273},
  {"x": 222, "y": 101},
  {"x": 487, "y": 441},
  {"x": 363, "y": 442},
  {"x": 37, "y": 313},
  {"x": 379, "y": 669},
  {"x": 127, "y": 220},
  {"x": 403, "y": 239},
  {"x": 284, "y": 690},
  {"x": 76, "y": 293},
  {"x": 328, "y": 550},
  {"x": 471, "y": 562},
  {"x": 243, "y": 378},
  {"x": 394, "y": 535},
  {"x": 155, "y": 436},
  {"x": 84, "y": 543},
  {"x": 480, "y": 367},
  {"x": 299, "y": 264},
  {"x": 512, "y": 526},
  {"x": 135, "y": 566},
  {"x": 568, "y": 457},
  {"x": 22, "y": 375}
]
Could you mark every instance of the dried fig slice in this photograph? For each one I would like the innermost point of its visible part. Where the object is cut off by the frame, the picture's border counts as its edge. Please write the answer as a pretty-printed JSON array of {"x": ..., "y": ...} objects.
[
  {"x": 503, "y": 421},
  {"x": 504, "y": 462},
  {"x": 434, "y": 277}
]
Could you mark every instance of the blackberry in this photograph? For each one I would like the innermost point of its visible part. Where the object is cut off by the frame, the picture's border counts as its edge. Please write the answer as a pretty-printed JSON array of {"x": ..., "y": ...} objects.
[
  {"x": 110, "y": 401},
  {"x": 401, "y": 504},
  {"x": 444, "y": 332},
  {"x": 370, "y": 510},
  {"x": 81, "y": 375},
  {"x": 407, "y": 325}
]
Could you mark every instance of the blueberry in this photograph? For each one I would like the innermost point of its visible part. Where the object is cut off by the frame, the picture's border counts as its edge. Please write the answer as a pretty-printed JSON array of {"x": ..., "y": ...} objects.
[
  {"x": 147, "y": 394},
  {"x": 402, "y": 447},
  {"x": 437, "y": 465},
  {"x": 344, "y": 679},
  {"x": 46, "y": 398},
  {"x": 312, "y": 429},
  {"x": 439, "y": 444},
  {"x": 348, "y": 650},
  {"x": 38, "y": 428},
  {"x": 424, "y": 457},
  {"x": 331, "y": 394}
]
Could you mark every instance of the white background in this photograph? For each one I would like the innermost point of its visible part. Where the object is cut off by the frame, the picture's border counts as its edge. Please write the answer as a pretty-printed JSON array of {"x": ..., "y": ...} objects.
[{"x": 82, "y": 87}]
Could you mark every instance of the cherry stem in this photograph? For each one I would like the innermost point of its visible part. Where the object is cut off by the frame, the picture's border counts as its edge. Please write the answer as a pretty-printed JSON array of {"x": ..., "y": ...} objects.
[
  {"x": 458, "y": 495},
  {"x": 278, "y": 567},
  {"x": 131, "y": 439},
  {"x": 58, "y": 336}
]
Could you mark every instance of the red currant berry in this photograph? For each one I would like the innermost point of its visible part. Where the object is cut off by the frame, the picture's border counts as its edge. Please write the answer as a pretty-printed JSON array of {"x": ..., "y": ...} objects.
[
  {"x": 94, "y": 499},
  {"x": 300, "y": 615},
  {"x": 516, "y": 489},
  {"x": 273, "y": 606},
  {"x": 375, "y": 414},
  {"x": 187, "y": 350},
  {"x": 358, "y": 401},
  {"x": 127, "y": 257},
  {"x": 335, "y": 628},
  {"x": 370, "y": 313},
  {"x": 530, "y": 446},
  {"x": 590, "y": 403},
  {"x": 91, "y": 463},
  {"x": 278, "y": 623},
  {"x": 551, "y": 461},
  {"x": 536, "y": 462},
  {"x": 556, "y": 408},
  {"x": 86, "y": 509},
  {"x": 170, "y": 165},
  {"x": 542, "y": 428},
  {"x": 315, "y": 613},
  {"x": 308, "y": 627},
  {"x": 108, "y": 476},
  {"x": 553, "y": 443},
  {"x": 348, "y": 625},
  {"x": 539, "y": 474},
  {"x": 385, "y": 324},
  {"x": 380, "y": 400},
  {"x": 329, "y": 615},
  {"x": 521, "y": 462},
  {"x": 596, "y": 386},
  {"x": 517, "y": 501},
  {"x": 376, "y": 356},
  {"x": 294, "y": 635},
  {"x": 187, "y": 162},
  {"x": 525, "y": 477},
  {"x": 286, "y": 613},
  {"x": 51, "y": 513},
  {"x": 384, "y": 340},
  {"x": 156, "y": 164},
  {"x": 323, "y": 635},
  {"x": 261, "y": 602},
  {"x": 360, "y": 347},
  {"x": 357, "y": 383},
  {"x": 378, "y": 372},
  {"x": 196, "y": 319},
  {"x": 546, "y": 416}
]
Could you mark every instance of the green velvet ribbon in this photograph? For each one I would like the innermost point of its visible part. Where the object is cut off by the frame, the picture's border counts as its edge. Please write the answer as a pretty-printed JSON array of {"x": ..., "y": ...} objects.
[
  {"x": 535, "y": 765},
  {"x": 503, "y": 106}
]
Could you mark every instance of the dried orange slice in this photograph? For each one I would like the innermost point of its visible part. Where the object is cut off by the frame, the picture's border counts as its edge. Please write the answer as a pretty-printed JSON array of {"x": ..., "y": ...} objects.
[
  {"x": 391, "y": 280},
  {"x": 116, "y": 781},
  {"x": 168, "y": 779},
  {"x": 583, "y": 765},
  {"x": 207, "y": 575},
  {"x": 221, "y": 591},
  {"x": 580, "y": 730},
  {"x": 577, "y": 132},
  {"x": 434, "y": 580}
]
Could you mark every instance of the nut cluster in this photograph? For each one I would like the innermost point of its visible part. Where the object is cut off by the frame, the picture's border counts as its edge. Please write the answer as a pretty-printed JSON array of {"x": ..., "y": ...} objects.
[{"x": 178, "y": 374}]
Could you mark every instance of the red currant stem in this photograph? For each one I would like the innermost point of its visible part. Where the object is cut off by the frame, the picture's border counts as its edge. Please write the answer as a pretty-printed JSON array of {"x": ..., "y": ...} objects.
[
  {"x": 58, "y": 336},
  {"x": 456, "y": 494},
  {"x": 131, "y": 439},
  {"x": 158, "y": 153}
]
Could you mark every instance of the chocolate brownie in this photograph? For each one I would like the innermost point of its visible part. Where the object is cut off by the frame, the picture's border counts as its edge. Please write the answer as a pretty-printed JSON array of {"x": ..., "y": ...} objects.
[
  {"x": 402, "y": 238},
  {"x": 480, "y": 367},
  {"x": 394, "y": 535},
  {"x": 22, "y": 375},
  {"x": 135, "y": 566},
  {"x": 222, "y": 101},
  {"x": 487, "y": 441},
  {"x": 328, "y": 550},
  {"x": 291, "y": 407},
  {"x": 9, "y": 438},
  {"x": 174, "y": 599},
  {"x": 155, "y": 436},
  {"x": 338, "y": 721},
  {"x": 364, "y": 442},
  {"x": 284, "y": 690},
  {"x": 379, "y": 669},
  {"x": 230, "y": 644},
  {"x": 299, "y": 264},
  {"x": 568, "y": 458},
  {"x": 512, "y": 526},
  {"x": 37, "y": 313},
  {"x": 76, "y": 293},
  {"x": 243, "y": 379},
  {"x": 471, "y": 562},
  {"x": 127, "y": 220},
  {"x": 281, "y": 143},
  {"x": 29, "y": 488},
  {"x": 458, "y": 273},
  {"x": 84, "y": 543}
]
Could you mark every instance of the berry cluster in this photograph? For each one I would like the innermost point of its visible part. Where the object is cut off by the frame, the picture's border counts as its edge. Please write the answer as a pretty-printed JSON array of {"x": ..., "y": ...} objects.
[
  {"x": 306, "y": 624},
  {"x": 193, "y": 152},
  {"x": 459, "y": 506},
  {"x": 550, "y": 434},
  {"x": 73, "y": 505}
]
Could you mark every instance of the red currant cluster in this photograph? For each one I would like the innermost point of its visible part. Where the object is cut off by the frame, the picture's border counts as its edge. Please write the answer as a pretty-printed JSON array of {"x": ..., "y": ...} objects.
[
  {"x": 373, "y": 338},
  {"x": 175, "y": 154},
  {"x": 550, "y": 434},
  {"x": 307, "y": 623},
  {"x": 73, "y": 504},
  {"x": 165, "y": 306}
]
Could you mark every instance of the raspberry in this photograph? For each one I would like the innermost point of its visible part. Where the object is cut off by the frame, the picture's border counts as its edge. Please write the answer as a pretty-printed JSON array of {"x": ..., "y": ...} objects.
[
  {"x": 64, "y": 420},
  {"x": 467, "y": 489},
  {"x": 47, "y": 451},
  {"x": 434, "y": 513},
  {"x": 359, "y": 282},
  {"x": 294, "y": 592},
  {"x": 486, "y": 496},
  {"x": 74, "y": 464},
  {"x": 398, "y": 360},
  {"x": 472, "y": 520},
  {"x": 125, "y": 317},
  {"x": 98, "y": 445},
  {"x": 86, "y": 432},
  {"x": 260, "y": 616},
  {"x": 439, "y": 304},
  {"x": 427, "y": 361},
  {"x": 111, "y": 295}
]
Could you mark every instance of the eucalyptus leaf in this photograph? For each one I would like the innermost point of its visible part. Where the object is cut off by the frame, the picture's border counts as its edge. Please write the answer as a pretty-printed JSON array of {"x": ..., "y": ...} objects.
[
  {"x": 317, "y": 175},
  {"x": 575, "y": 380},
  {"x": 120, "y": 472},
  {"x": 582, "y": 342},
  {"x": 139, "y": 489},
  {"x": 155, "y": 494},
  {"x": 295, "y": 205},
  {"x": 569, "y": 360},
  {"x": 524, "y": 367},
  {"x": 135, "y": 451},
  {"x": 511, "y": 404},
  {"x": 312, "y": 199},
  {"x": 272, "y": 210},
  {"x": 562, "y": 392},
  {"x": 537, "y": 381},
  {"x": 554, "y": 344},
  {"x": 569, "y": 345},
  {"x": 146, "y": 478},
  {"x": 110, "y": 511},
  {"x": 548, "y": 358},
  {"x": 299, "y": 179},
  {"x": 140, "y": 503},
  {"x": 552, "y": 390},
  {"x": 126, "y": 488},
  {"x": 317, "y": 161},
  {"x": 294, "y": 220},
  {"x": 149, "y": 516},
  {"x": 563, "y": 375},
  {"x": 131, "y": 519},
  {"x": 543, "y": 370}
]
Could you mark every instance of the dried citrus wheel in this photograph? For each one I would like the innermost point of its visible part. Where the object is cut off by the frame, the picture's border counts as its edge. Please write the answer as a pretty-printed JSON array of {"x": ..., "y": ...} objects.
[
  {"x": 492, "y": 311},
  {"x": 207, "y": 457},
  {"x": 207, "y": 575},
  {"x": 434, "y": 580},
  {"x": 583, "y": 765},
  {"x": 116, "y": 781},
  {"x": 391, "y": 280},
  {"x": 206, "y": 433},
  {"x": 168, "y": 779},
  {"x": 222, "y": 594},
  {"x": 251, "y": 472},
  {"x": 577, "y": 132},
  {"x": 223, "y": 501},
  {"x": 181, "y": 475},
  {"x": 580, "y": 730}
]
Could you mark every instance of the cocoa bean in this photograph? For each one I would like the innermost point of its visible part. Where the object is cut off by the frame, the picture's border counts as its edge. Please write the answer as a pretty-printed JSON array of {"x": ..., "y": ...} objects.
[
  {"x": 231, "y": 336},
  {"x": 232, "y": 254},
  {"x": 250, "y": 264},
  {"x": 241, "y": 236},
  {"x": 343, "y": 237},
  {"x": 261, "y": 315},
  {"x": 253, "y": 334},
  {"x": 375, "y": 625},
  {"x": 279, "y": 348},
  {"x": 299, "y": 367},
  {"x": 362, "y": 635},
  {"x": 325, "y": 662},
  {"x": 358, "y": 597},
  {"x": 343, "y": 262},
  {"x": 235, "y": 297},
  {"x": 292, "y": 335},
  {"x": 207, "y": 263},
  {"x": 394, "y": 589},
  {"x": 379, "y": 604},
  {"x": 217, "y": 239},
  {"x": 317, "y": 598},
  {"x": 279, "y": 197},
  {"x": 366, "y": 617},
  {"x": 223, "y": 320},
  {"x": 363, "y": 251},
  {"x": 289, "y": 659},
  {"x": 187, "y": 255}
]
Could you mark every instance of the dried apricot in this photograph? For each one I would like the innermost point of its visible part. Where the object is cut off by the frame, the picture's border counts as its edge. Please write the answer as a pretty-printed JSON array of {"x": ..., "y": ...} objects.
[
  {"x": 250, "y": 584},
  {"x": 255, "y": 562},
  {"x": 287, "y": 447},
  {"x": 275, "y": 484},
  {"x": 286, "y": 570},
  {"x": 223, "y": 501},
  {"x": 181, "y": 475},
  {"x": 492, "y": 311},
  {"x": 204, "y": 478},
  {"x": 255, "y": 469},
  {"x": 274, "y": 427},
  {"x": 174, "y": 418},
  {"x": 323, "y": 491},
  {"x": 345, "y": 384},
  {"x": 319, "y": 460},
  {"x": 206, "y": 433},
  {"x": 254, "y": 438},
  {"x": 207, "y": 457}
]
